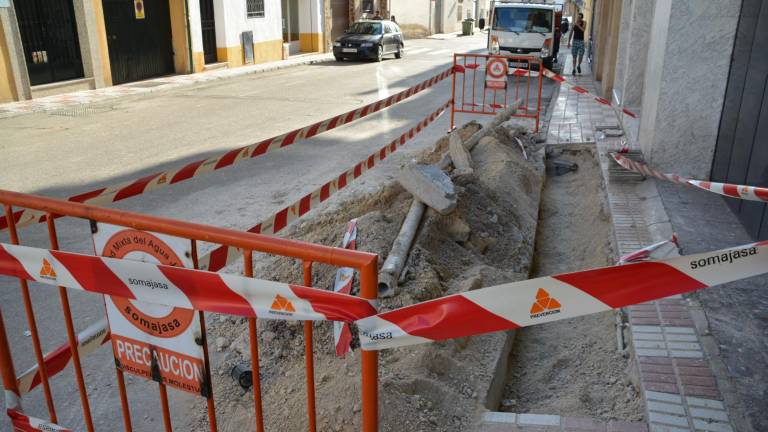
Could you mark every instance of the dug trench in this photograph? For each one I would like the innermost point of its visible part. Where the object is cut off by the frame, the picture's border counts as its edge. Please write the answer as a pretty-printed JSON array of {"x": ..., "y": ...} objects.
[
  {"x": 443, "y": 386},
  {"x": 572, "y": 367}
]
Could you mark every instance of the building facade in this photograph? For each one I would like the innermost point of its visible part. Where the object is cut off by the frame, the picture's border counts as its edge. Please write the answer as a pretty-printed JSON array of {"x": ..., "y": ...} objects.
[
  {"x": 696, "y": 74},
  {"x": 56, "y": 46}
]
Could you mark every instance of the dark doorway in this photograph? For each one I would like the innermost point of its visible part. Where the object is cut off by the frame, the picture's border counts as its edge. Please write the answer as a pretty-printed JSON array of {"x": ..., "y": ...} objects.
[
  {"x": 741, "y": 155},
  {"x": 208, "y": 24},
  {"x": 49, "y": 37},
  {"x": 339, "y": 17},
  {"x": 140, "y": 45}
]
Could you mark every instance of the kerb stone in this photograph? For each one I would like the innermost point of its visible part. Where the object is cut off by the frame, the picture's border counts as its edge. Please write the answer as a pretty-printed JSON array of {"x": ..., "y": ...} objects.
[{"x": 429, "y": 185}]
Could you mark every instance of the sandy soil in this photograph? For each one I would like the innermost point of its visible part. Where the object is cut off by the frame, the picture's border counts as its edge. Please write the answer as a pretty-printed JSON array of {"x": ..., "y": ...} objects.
[
  {"x": 572, "y": 367},
  {"x": 442, "y": 386}
]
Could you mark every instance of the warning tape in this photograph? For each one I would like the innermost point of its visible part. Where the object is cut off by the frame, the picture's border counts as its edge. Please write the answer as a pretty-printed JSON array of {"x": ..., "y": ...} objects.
[
  {"x": 645, "y": 170},
  {"x": 24, "y": 423},
  {"x": 578, "y": 89},
  {"x": 345, "y": 278},
  {"x": 552, "y": 298},
  {"x": 656, "y": 251},
  {"x": 180, "y": 287},
  {"x": 56, "y": 361},
  {"x": 225, "y": 255},
  {"x": 744, "y": 192},
  {"x": 163, "y": 179}
]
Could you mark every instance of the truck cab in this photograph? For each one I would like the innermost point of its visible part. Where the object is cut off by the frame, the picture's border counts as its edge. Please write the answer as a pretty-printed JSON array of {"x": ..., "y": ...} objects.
[{"x": 524, "y": 28}]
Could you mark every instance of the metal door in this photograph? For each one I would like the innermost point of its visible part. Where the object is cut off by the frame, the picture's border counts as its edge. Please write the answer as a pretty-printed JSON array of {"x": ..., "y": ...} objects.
[
  {"x": 339, "y": 17},
  {"x": 208, "y": 24},
  {"x": 49, "y": 38},
  {"x": 741, "y": 155},
  {"x": 140, "y": 44}
]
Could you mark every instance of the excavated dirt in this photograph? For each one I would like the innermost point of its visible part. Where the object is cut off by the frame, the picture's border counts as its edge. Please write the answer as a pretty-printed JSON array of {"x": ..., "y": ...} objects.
[
  {"x": 489, "y": 239},
  {"x": 572, "y": 367}
]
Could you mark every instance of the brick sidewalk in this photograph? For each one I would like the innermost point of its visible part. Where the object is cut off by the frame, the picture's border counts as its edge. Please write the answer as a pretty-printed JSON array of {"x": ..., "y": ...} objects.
[{"x": 85, "y": 97}]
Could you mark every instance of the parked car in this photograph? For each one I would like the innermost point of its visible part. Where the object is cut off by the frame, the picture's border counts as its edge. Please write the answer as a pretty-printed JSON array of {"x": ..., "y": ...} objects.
[{"x": 370, "y": 39}]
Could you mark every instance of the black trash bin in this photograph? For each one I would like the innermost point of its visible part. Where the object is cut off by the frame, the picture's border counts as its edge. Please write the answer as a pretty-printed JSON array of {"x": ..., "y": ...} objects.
[{"x": 481, "y": 23}]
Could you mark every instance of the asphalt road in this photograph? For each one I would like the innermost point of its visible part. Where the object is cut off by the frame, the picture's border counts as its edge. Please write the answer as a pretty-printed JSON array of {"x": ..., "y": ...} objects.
[{"x": 58, "y": 155}]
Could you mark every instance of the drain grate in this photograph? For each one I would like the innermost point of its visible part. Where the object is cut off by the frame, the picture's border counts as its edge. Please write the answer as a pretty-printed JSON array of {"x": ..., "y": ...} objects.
[{"x": 81, "y": 111}]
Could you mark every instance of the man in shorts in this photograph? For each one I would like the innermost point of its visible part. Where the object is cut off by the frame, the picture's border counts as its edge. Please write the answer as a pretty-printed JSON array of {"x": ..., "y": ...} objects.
[{"x": 577, "y": 37}]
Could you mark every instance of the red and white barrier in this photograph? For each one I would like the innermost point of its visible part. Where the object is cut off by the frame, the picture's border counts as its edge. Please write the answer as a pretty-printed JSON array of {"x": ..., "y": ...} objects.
[
  {"x": 180, "y": 287},
  {"x": 749, "y": 193},
  {"x": 553, "y": 298},
  {"x": 744, "y": 192},
  {"x": 656, "y": 251},
  {"x": 163, "y": 179},
  {"x": 56, "y": 361},
  {"x": 645, "y": 170},
  {"x": 345, "y": 278},
  {"x": 578, "y": 89},
  {"x": 224, "y": 255},
  {"x": 24, "y": 423}
]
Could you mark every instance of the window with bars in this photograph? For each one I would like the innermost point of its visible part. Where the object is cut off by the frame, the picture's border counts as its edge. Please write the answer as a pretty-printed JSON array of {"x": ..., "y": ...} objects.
[{"x": 255, "y": 8}]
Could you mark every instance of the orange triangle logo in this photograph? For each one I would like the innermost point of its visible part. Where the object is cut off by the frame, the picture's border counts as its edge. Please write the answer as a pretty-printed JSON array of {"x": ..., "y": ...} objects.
[
  {"x": 47, "y": 270},
  {"x": 544, "y": 302},
  {"x": 281, "y": 303}
]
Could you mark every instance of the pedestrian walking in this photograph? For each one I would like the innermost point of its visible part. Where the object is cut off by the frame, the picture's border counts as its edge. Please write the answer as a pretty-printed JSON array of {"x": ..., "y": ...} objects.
[
  {"x": 577, "y": 37},
  {"x": 377, "y": 15}
]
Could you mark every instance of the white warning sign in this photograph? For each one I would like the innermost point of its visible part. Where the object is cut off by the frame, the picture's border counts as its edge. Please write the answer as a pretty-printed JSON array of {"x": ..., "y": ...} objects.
[
  {"x": 157, "y": 342},
  {"x": 496, "y": 73}
]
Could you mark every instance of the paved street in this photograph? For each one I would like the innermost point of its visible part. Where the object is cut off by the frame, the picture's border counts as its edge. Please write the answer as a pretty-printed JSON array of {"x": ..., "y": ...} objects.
[{"x": 72, "y": 151}]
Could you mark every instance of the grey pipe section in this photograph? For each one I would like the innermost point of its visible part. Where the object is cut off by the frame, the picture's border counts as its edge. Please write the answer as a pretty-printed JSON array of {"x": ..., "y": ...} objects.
[{"x": 393, "y": 266}]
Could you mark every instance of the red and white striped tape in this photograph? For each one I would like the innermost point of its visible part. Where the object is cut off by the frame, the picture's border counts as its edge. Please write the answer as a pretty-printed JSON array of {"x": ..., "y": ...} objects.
[
  {"x": 645, "y": 170},
  {"x": 553, "y": 298},
  {"x": 345, "y": 278},
  {"x": 180, "y": 287},
  {"x": 749, "y": 193},
  {"x": 24, "y": 423},
  {"x": 163, "y": 179},
  {"x": 744, "y": 192},
  {"x": 224, "y": 255},
  {"x": 578, "y": 89},
  {"x": 56, "y": 361},
  {"x": 656, "y": 251}
]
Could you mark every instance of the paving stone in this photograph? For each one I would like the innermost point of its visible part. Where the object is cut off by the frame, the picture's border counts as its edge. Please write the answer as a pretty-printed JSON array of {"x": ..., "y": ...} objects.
[
  {"x": 654, "y": 368},
  {"x": 686, "y": 330},
  {"x": 692, "y": 363},
  {"x": 659, "y": 378},
  {"x": 499, "y": 417},
  {"x": 622, "y": 426},
  {"x": 667, "y": 419},
  {"x": 707, "y": 414},
  {"x": 706, "y": 403},
  {"x": 538, "y": 419},
  {"x": 664, "y": 397},
  {"x": 648, "y": 336},
  {"x": 698, "y": 380},
  {"x": 665, "y": 407},
  {"x": 650, "y": 344},
  {"x": 684, "y": 345},
  {"x": 655, "y": 360},
  {"x": 651, "y": 352},
  {"x": 646, "y": 329},
  {"x": 430, "y": 185},
  {"x": 712, "y": 426},
  {"x": 686, "y": 354},
  {"x": 662, "y": 387},
  {"x": 682, "y": 337},
  {"x": 707, "y": 392},
  {"x": 694, "y": 371},
  {"x": 655, "y": 427}
]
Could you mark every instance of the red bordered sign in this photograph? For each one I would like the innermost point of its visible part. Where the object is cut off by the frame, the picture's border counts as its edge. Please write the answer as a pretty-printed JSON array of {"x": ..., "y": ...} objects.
[
  {"x": 496, "y": 73},
  {"x": 153, "y": 341}
]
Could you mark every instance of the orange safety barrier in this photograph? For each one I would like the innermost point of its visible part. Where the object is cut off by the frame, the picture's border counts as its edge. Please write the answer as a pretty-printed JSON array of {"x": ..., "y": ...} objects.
[
  {"x": 484, "y": 84},
  {"x": 365, "y": 263}
]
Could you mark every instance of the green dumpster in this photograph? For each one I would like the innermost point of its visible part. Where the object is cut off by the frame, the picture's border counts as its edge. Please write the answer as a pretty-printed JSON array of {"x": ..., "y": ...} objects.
[{"x": 468, "y": 27}]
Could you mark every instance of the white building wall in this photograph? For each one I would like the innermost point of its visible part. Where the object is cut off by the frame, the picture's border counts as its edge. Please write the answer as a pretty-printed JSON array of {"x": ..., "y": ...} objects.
[
  {"x": 232, "y": 19},
  {"x": 310, "y": 16},
  {"x": 195, "y": 28}
]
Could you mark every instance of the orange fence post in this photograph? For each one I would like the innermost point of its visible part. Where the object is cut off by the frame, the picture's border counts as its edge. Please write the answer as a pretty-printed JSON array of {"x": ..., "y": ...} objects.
[
  {"x": 370, "y": 359},
  {"x": 32, "y": 324},
  {"x": 71, "y": 335},
  {"x": 204, "y": 336},
  {"x": 248, "y": 270},
  {"x": 308, "y": 346}
]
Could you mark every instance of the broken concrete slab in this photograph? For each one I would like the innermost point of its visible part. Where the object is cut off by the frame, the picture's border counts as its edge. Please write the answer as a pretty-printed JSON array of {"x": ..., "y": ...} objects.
[
  {"x": 429, "y": 185},
  {"x": 462, "y": 162}
]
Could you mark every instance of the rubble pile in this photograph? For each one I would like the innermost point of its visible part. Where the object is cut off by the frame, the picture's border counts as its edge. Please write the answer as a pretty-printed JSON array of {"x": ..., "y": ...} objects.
[{"x": 479, "y": 232}]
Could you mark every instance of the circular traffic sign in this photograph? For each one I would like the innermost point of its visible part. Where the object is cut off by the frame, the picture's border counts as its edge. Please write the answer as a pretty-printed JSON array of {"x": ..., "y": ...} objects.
[
  {"x": 497, "y": 68},
  {"x": 152, "y": 319}
]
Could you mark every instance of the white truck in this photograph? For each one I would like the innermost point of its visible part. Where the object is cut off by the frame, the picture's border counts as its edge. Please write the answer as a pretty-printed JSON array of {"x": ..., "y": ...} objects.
[{"x": 525, "y": 28}]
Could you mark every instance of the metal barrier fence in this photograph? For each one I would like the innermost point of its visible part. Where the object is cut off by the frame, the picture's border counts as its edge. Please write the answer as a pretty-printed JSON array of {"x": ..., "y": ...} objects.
[
  {"x": 501, "y": 78},
  {"x": 365, "y": 263}
]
